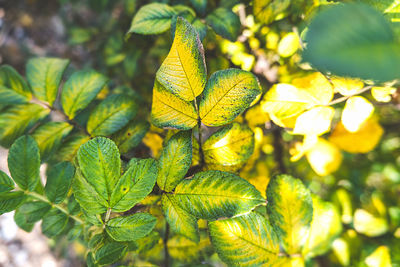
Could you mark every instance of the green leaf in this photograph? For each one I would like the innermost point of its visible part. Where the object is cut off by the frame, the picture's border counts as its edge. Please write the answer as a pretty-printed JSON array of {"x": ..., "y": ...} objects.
[
  {"x": 169, "y": 111},
  {"x": 270, "y": 10},
  {"x": 214, "y": 194},
  {"x": 86, "y": 195},
  {"x": 153, "y": 18},
  {"x": 69, "y": 148},
  {"x": 247, "y": 240},
  {"x": 131, "y": 227},
  {"x": 10, "y": 97},
  {"x": 44, "y": 76},
  {"x": 100, "y": 165},
  {"x": 228, "y": 93},
  {"x": 200, "y": 27},
  {"x": 225, "y": 23},
  {"x": 184, "y": 72},
  {"x": 353, "y": 40},
  {"x": 290, "y": 211},
  {"x": 136, "y": 183},
  {"x": 187, "y": 251},
  {"x": 34, "y": 211},
  {"x": 17, "y": 119},
  {"x": 200, "y": 6},
  {"x": 175, "y": 160},
  {"x": 180, "y": 221},
  {"x": 148, "y": 242},
  {"x": 80, "y": 89},
  {"x": 111, "y": 115},
  {"x": 24, "y": 163},
  {"x": 130, "y": 136},
  {"x": 110, "y": 253},
  {"x": 54, "y": 222},
  {"x": 6, "y": 184},
  {"x": 49, "y": 137},
  {"x": 320, "y": 239},
  {"x": 20, "y": 220},
  {"x": 9, "y": 78},
  {"x": 230, "y": 145},
  {"x": 9, "y": 201},
  {"x": 59, "y": 179}
]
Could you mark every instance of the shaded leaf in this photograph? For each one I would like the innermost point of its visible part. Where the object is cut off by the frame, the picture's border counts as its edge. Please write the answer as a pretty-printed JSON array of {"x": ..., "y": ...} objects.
[
  {"x": 59, "y": 179},
  {"x": 24, "y": 163},
  {"x": 10, "y": 201},
  {"x": 80, "y": 89},
  {"x": 110, "y": 253},
  {"x": 225, "y": 23},
  {"x": 10, "y": 97},
  {"x": 44, "y": 76},
  {"x": 187, "y": 251},
  {"x": 34, "y": 211},
  {"x": 247, "y": 240},
  {"x": 130, "y": 136},
  {"x": 227, "y": 94},
  {"x": 6, "y": 183},
  {"x": 10, "y": 79},
  {"x": 268, "y": 11},
  {"x": 20, "y": 220},
  {"x": 174, "y": 161},
  {"x": 131, "y": 227},
  {"x": 70, "y": 146},
  {"x": 183, "y": 72},
  {"x": 54, "y": 223},
  {"x": 200, "y": 5}
]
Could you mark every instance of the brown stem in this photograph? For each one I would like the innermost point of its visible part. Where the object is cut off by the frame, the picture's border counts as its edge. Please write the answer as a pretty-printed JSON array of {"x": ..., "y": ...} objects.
[
  {"x": 279, "y": 150},
  {"x": 166, "y": 253}
]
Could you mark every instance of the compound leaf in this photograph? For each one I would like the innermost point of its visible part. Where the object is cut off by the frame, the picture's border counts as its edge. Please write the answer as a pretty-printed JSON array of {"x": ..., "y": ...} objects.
[
  {"x": 131, "y": 227},
  {"x": 174, "y": 161},
  {"x": 183, "y": 72},
  {"x": 290, "y": 210},
  {"x": 24, "y": 162},
  {"x": 227, "y": 94},
  {"x": 80, "y": 89},
  {"x": 247, "y": 240},
  {"x": 214, "y": 194},
  {"x": 44, "y": 76}
]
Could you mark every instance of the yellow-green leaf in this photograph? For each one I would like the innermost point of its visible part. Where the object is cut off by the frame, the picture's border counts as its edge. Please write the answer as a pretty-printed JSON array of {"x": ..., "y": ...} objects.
[
  {"x": 227, "y": 94},
  {"x": 180, "y": 221},
  {"x": 379, "y": 258},
  {"x": 383, "y": 94},
  {"x": 324, "y": 157},
  {"x": 347, "y": 86},
  {"x": 169, "y": 111},
  {"x": 247, "y": 240},
  {"x": 231, "y": 145},
  {"x": 70, "y": 146},
  {"x": 130, "y": 136},
  {"x": 183, "y": 72},
  {"x": 10, "y": 79},
  {"x": 187, "y": 251},
  {"x": 44, "y": 76},
  {"x": 369, "y": 224},
  {"x": 267, "y": 11},
  {"x": 214, "y": 194},
  {"x": 290, "y": 211},
  {"x": 326, "y": 225},
  {"x": 356, "y": 111},
  {"x": 289, "y": 44},
  {"x": 315, "y": 121}
]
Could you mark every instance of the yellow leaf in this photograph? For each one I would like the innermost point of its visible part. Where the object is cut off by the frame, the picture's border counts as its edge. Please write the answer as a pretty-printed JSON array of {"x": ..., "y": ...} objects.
[
  {"x": 154, "y": 142},
  {"x": 183, "y": 72},
  {"x": 324, "y": 157},
  {"x": 255, "y": 116},
  {"x": 379, "y": 258},
  {"x": 356, "y": 111},
  {"x": 342, "y": 251},
  {"x": 362, "y": 141},
  {"x": 285, "y": 102},
  {"x": 289, "y": 44},
  {"x": 231, "y": 145},
  {"x": 300, "y": 149},
  {"x": 383, "y": 94},
  {"x": 347, "y": 86},
  {"x": 169, "y": 111},
  {"x": 315, "y": 121},
  {"x": 368, "y": 224}
]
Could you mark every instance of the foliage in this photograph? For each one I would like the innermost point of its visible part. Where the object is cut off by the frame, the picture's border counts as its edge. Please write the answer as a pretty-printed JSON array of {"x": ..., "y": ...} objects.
[{"x": 201, "y": 169}]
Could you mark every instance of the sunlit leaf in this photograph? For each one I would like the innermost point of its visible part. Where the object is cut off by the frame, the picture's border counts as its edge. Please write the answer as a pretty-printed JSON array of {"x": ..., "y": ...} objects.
[
  {"x": 183, "y": 72},
  {"x": 268, "y": 11},
  {"x": 347, "y": 86},
  {"x": 341, "y": 250},
  {"x": 130, "y": 136},
  {"x": 24, "y": 162},
  {"x": 324, "y": 157},
  {"x": 49, "y": 137},
  {"x": 17, "y": 119},
  {"x": 227, "y": 94},
  {"x": 80, "y": 89},
  {"x": 289, "y": 44},
  {"x": 187, "y": 251},
  {"x": 290, "y": 211},
  {"x": 326, "y": 225},
  {"x": 368, "y": 224},
  {"x": 214, "y": 194},
  {"x": 247, "y": 240},
  {"x": 231, "y": 145},
  {"x": 153, "y": 18},
  {"x": 179, "y": 220},
  {"x": 362, "y": 141},
  {"x": 225, "y": 23},
  {"x": 10, "y": 79},
  {"x": 356, "y": 111},
  {"x": 353, "y": 40},
  {"x": 383, "y": 94},
  {"x": 174, "y": 161},
  {"x": 44, "y": 76},
  {"x": 379, "y": 258},
  {"x": 315, "y": 121},
  {"x": 131, "y": 227},
  {"x": 169, "y": 111},
  {"x": 9, "y": 96},
  {"x": 59, "y": 179},
  {"x": 111, "y": 115}
]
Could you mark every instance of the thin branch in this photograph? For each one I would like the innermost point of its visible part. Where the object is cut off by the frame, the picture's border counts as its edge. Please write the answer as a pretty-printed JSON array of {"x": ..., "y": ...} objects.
[
  {"x": 278, "y": 150},
  {"x": 344, "y": 98},
  {"x": 165, "y": 240}
]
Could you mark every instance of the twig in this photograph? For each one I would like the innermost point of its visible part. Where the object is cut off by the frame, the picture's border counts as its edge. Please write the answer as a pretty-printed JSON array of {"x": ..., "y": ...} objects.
[
  {"x": 344, "y": 98},
  {"x": 166, "y": 253}
]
